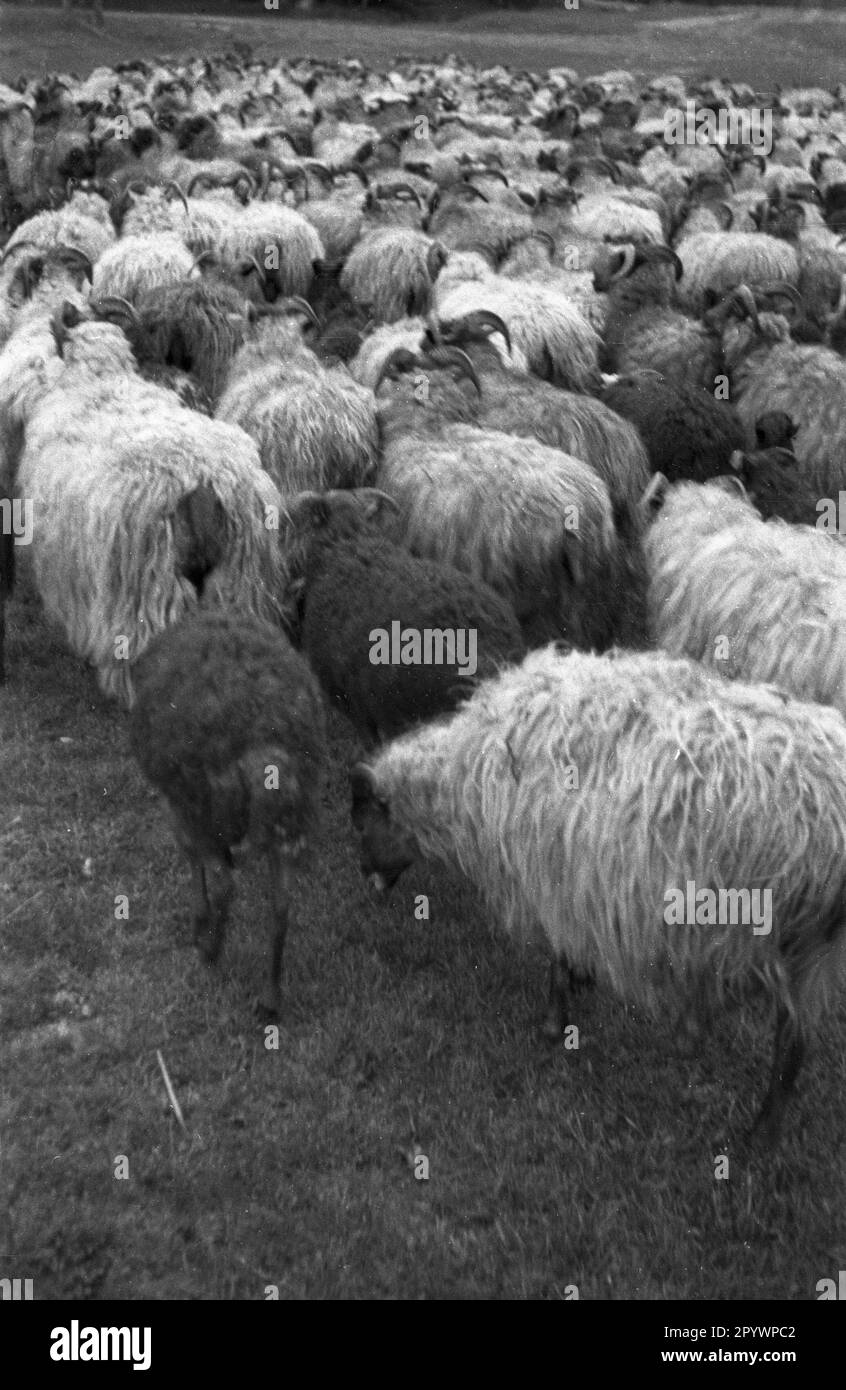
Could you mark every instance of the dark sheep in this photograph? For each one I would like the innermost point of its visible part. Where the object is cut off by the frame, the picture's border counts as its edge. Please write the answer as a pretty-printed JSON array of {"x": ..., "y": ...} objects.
[
  {"x": 358, "y": 580},
  {"x": 688, "y": 433},
  {"x": 228, "y": 725}
]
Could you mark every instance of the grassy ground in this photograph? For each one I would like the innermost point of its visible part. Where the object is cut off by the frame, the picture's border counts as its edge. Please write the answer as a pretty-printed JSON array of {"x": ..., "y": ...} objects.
[
  {"x": 758, "y": 45},
  {"x": 548, "y": 1168}
]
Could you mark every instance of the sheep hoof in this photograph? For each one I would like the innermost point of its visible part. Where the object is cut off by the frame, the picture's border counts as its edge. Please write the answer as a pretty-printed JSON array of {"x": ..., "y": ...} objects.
[{"x": 268, "y": 1007}]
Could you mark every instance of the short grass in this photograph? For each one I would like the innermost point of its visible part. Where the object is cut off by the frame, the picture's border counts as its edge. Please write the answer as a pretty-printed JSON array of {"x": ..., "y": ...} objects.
[
  {"x": 761, "y": 45},
  {"x": 400, "y": 1038}
]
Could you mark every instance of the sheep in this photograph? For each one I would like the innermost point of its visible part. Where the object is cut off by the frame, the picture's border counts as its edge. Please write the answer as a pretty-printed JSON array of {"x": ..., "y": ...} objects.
[
  {"x": 196, "y": 326},
  {"x": 369, "y": 362},
  {"x": 652, "y": 773},
  {"x": 809, "y": 383},
  {"x": 390, "y": 273},
  {"x": 136, "y": 264},
  {"x": 314, "y": 428},
  {"x": 520, "y": 404},
  {"x": 717, "y": 262},
  {"x": 643, "y": 329},
  {"x": 549, "y": 334},
  {"x": 774, "y": 484},
  {"x": 228, "y": 726},
  {"x": 357, "y": 582},
  {"x": 536, "y": 524},
  {"x": 687, "y": 432},
  {"x": 82, "y": 223},
  {"x": 140, "y": 506},
  {"x": 757, "y": 600},
  {"x": 34, "y": 280},
  {"x": 281, "y": 240}
]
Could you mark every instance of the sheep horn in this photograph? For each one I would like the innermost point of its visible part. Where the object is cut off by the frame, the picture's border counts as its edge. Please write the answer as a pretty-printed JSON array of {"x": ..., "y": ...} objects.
[
  {"x": 464, "y": 186},
  {"x": 479, "y": 319},
  {"x": 20, "y": 245},
  {"x": 744, "y": 298},
  {"x": 485, "y": 171},
  {"x": 776, "y": 290},
  {"x": 319, "y": 168},
  {"x": 179, "y": 191},
  {"x": 628, "y": 261},
  {"x": 355, "y": 168},
  {"x": 443, "y": 356},
  {"x": 208, "y": 255},
  {"x": 393, "y": 190},
  {"x": 538, "y": 234},
  {"x": 111, "y": 305},
  {"x": 71, "y": 255},
  {"x": 666, "y": 253},
  {"x": 202, "y": 177},
  {"x": 251, "y": 261},
  {"x": 294, "y": 301},
  {"x": 400, "y": 358}
]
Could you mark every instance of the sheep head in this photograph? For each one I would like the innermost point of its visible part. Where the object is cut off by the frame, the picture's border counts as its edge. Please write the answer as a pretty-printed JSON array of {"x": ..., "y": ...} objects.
[{"x": 385, "y": 850}]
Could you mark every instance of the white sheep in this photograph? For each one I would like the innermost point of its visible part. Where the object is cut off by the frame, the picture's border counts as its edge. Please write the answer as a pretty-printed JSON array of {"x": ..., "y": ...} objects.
[
  {"x": 139, "y": 505},
  {"x": 582, "y": 794},
  {"x": 762, "y": 601}
]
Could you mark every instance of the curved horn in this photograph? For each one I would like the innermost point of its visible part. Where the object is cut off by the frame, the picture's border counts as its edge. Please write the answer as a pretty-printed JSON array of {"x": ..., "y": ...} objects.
[
  {"x": 628, "y": 261},
  {"x": 743, "y": 296},
  {"x": 113, "y": 305},
  {"x": 21, "y": 245},
  {"x": 82, "y": 260},
  {"x": 538, "y": 234},
  {"x": 666, "y": 253},
  {"x": 776, "y": 290},
  {"x": 473, "y": 322},
  {"x": 463, "y": 186},
  {"x": 401, "y": 359},
  {"x": 208, "y": 256},
  {"x": 179, "y": 191},
  {"x": 203, "y": 177},
  {"x": 393, "y": 190},
  {"x": 486, "y": 171},
  {"x": 444, "y": 356}
]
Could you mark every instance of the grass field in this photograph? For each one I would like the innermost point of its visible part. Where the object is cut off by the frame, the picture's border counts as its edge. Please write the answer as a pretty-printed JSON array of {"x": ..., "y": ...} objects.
[
  {"x": 547, "y": 1168},
  {"x": 761, "y": 46}
]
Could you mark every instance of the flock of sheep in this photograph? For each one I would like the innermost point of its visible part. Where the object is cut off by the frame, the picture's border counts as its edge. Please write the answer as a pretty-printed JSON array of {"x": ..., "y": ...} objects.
[{"x": 293, "y": 352}]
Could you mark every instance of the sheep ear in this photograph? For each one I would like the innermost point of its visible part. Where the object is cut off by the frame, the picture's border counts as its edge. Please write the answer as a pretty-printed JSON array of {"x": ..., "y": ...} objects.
[{"x": 653, "y": 498}]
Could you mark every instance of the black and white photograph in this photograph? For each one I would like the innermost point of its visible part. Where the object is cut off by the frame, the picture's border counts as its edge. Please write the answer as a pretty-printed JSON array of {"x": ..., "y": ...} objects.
[{"x": 423, "y": 662}]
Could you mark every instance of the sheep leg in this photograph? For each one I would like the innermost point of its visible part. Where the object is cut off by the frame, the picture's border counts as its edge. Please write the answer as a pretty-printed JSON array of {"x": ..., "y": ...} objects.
[
  {"x": 555, "y": 1019},
  {"x": 269, "y": 999},
  {"x": 212, "y": 900},
  {"x": 789, "y": 1052}
]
